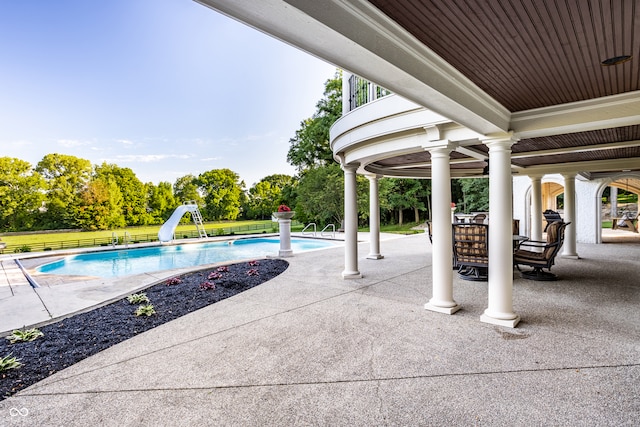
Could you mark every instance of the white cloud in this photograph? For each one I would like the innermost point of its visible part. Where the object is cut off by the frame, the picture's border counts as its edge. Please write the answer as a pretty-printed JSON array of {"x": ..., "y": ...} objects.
[
  {"x": 125, "y": 141},
  {"x": 148, "y": 158},
  {"x": 72, "y": 143}
]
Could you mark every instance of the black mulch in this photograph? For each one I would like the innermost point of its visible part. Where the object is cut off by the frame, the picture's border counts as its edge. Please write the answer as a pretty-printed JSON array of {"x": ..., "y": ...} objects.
[{"x": 71, "y": 340}]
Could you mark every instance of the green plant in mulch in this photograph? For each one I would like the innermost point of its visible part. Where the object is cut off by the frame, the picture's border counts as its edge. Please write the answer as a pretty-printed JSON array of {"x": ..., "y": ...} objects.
[
  {"x": 140, "y": 298},
  {"x": 24, "y": 335},
  {"x": 8, "y": 362},
  {"x": 145, "y": 310}
]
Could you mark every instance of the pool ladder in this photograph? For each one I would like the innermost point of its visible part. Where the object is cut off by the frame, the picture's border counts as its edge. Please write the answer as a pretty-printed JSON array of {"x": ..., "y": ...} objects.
[
  {"x": 323, "y": 233},
  {"x": 126, "y": 239},
  {"x": 197, "y": 219}
]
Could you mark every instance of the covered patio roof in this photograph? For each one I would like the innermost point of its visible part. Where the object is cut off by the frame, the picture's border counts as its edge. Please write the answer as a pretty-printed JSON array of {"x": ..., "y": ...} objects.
[{"x": 537, "y": 70}]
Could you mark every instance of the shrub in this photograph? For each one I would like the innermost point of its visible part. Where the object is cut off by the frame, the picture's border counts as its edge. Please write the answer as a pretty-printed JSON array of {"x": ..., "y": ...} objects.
[
  {"x": 138, "y": 298},
  {"x": 9, "y": 362},
  {"x": 223, "y": 269},
  {"x": 214, "y": 275},
  {"x": 174, "y": 281},
  {"x": 24, "y": 335},
  {"x": 145, "y": 310},
  {"x": 207, "y": 285},
  {"x": 253, "y": 272}
]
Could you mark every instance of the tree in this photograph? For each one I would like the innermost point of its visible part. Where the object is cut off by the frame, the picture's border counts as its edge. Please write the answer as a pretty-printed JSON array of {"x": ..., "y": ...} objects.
[
  {"x": 100, "y": 206},
  {"x": 161, "y": 201},
  {"x": 222, "y": 194},
  {"x": 186, "y": 189},
  {"x": 134, "y": 200},
  {"x": 21, "y": 193},
  {"x": 404, "y": 193},
  {"x": 266, "y": 196},
  {"x": 475, "y": 194},
  {"x": 65, "y": 176},
  {"x": 310, "y": 147},
  {"x": 320, "y": 194}
]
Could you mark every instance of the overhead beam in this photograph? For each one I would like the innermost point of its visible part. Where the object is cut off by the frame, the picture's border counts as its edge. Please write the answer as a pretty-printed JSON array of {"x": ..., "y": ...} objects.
[
  {"x": 599, "y": 113},
  {"x": 582, "y": 148}
]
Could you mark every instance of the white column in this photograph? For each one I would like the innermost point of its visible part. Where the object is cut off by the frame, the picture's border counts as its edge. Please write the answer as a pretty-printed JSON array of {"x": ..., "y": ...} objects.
[
  {"x": 536, "y": 207},
  {"x": 285, "y": 238},
  {"x": 350, "y": 224},
  {"x": 442, "y": 252},
  {"x": 500, "y": 290},
  {"x": 374, "y": 218},
  {"x": 613, "y": 197},
  {"x": 569, "y": 246}
]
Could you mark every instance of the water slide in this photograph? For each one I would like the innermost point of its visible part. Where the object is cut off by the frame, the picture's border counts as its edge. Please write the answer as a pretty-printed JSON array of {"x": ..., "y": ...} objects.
[{"x": 168, "y": 228}]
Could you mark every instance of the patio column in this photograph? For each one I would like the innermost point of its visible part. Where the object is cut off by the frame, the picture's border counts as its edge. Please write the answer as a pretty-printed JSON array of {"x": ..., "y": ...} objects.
[
  {"x": 536, "y": 207},
  {"x": 500, "y": 309},
  {"x": 350, "y": 224},
  {"x": 442, "y": 251},
  {"x": 569, "y": 246},
  {"x": 374, "y": 218},
  {"x": 613, "y": 197}
]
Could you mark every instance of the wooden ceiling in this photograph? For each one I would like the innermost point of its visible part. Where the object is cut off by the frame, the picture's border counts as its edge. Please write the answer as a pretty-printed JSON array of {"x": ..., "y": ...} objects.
[{"x": 535, "y": 54}]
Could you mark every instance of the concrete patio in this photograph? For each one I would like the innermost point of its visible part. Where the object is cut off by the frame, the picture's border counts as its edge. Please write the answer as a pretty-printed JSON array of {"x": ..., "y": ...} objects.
[{"x": 309, "y": 348}]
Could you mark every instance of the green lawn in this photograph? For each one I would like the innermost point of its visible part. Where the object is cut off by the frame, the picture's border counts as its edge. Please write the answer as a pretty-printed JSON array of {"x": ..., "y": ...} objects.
[{"x": 70, "y": 239}]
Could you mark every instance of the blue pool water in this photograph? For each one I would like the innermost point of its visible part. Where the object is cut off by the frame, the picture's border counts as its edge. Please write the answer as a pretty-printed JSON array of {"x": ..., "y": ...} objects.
[{"x": 144, "y": 260}]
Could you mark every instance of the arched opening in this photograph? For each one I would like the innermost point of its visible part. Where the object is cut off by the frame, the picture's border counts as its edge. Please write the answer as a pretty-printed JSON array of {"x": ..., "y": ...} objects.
[
  {"x": 618, "y": 203},
  {"x": 552, "y": 196}
]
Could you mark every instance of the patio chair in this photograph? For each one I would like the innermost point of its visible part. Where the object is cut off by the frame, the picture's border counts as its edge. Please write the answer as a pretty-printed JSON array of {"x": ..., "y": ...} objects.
[
  {"x": 626, "y": 221},
  {"x": 550, "y": 216},
  {"x": 542, "y": 254},
  {"x": 471, "y": 251},
  {"x": 479, "y": 218}
]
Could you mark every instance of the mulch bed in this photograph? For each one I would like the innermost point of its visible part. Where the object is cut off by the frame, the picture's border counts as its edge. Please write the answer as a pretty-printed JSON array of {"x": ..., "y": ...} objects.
[{"x": 71, "y": 340}]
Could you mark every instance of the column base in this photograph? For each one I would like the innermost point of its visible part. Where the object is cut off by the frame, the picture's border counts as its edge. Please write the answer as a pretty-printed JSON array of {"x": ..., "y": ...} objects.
[
  {"x": 570, "y": 256},
  {"x": 509, "y": 323},
  {"x": 375, "y": 256},
  {"x": 285, "y": 253},
  {"x": 444, "y": 310},
  {"x": 351, "y": 275}
]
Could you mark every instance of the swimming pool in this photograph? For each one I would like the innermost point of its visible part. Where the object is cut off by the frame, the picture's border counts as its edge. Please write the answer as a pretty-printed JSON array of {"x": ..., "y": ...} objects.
[{"x": 126, "y": 262}]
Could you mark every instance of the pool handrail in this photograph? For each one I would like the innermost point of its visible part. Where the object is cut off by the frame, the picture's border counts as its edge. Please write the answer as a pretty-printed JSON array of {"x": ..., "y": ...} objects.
[{"x": 311, "y": 224}]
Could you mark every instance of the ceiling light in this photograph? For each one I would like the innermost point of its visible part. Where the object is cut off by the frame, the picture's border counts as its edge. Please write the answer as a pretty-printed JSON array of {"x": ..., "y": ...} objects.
[{"x": 616, "y": 60}]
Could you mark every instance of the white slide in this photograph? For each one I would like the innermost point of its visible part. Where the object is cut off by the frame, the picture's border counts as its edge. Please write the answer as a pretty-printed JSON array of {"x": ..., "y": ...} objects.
[{"x": 168, "y": 228}]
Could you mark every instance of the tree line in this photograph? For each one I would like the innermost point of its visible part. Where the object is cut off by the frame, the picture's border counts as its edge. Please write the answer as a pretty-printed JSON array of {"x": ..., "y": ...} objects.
[{"x": 64, "y": 191}]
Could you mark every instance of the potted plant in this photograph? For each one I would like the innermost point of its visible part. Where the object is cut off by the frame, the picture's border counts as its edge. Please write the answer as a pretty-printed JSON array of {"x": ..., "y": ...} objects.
[{"x": 284, "y": 212}]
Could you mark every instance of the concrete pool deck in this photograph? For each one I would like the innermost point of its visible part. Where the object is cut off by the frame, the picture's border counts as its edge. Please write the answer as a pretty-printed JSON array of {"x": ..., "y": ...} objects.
[
  {"x": 309, "y": 348},
  {"x": 59, "y": 296}
]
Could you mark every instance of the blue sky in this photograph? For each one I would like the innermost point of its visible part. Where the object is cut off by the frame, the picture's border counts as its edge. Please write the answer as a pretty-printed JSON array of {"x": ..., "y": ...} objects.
[{"x": 164, "y": 87}]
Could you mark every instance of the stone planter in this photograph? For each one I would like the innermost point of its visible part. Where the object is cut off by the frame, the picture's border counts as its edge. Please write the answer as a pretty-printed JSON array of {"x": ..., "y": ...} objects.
[{"x": 284, "y": 215}]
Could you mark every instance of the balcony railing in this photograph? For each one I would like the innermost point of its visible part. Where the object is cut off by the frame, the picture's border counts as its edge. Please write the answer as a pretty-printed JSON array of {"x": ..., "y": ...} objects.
[{"x": 362, "y": 91}]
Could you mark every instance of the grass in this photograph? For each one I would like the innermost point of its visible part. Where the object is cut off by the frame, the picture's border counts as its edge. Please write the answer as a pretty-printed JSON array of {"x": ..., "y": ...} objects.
[
  {"x": 405, "y": 228},
  {"x": 52, "y": 236}
]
